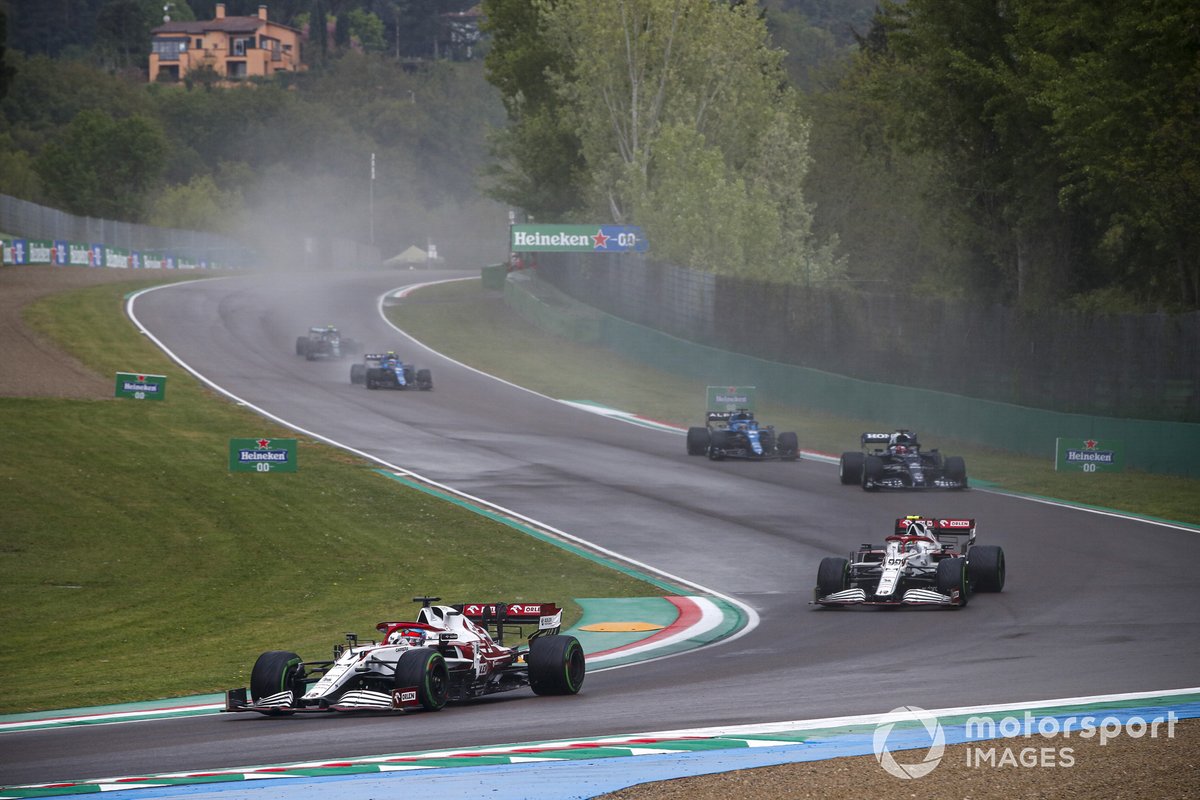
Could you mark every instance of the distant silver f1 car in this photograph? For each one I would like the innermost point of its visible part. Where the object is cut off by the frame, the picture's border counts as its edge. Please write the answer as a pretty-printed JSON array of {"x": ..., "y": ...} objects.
[
  {"x": 737, "y": 434},
  {"x": 925, "y": 562},
  {"x": 448, "y": 654},
  {"x": 326, "y": 342}
]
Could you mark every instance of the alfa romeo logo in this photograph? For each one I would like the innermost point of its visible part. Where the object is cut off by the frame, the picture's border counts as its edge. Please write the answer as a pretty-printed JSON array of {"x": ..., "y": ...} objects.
[{"x": 883, "y": 753}]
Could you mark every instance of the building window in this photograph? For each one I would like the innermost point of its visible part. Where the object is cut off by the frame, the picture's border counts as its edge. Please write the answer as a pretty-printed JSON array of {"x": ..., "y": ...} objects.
[
  {"x": 199, "y": 44},
  {"x": 169, "y": 49}
]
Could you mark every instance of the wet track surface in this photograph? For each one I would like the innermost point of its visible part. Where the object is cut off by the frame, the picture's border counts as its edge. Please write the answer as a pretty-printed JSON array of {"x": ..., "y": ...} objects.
[{"x": 1094, "y": 603}]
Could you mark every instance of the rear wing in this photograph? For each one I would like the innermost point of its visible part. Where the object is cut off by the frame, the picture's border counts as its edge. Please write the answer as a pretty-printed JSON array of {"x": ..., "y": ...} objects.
[
  {"x": 723, "y": 417},
  {"x": 494, "y": 617},
  {"x": 875, "y": 438},
  {"x": 955, "y": 535}
]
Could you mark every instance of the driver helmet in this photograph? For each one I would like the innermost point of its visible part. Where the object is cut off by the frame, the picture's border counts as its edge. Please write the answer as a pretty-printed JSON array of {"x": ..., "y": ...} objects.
[{"x": 409, "y": 636}]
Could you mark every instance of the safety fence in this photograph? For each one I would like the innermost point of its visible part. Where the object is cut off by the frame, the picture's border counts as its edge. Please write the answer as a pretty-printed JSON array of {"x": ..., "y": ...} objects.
[
  {"x": 42, "y": 235},
  {"x": 1143, "y": 366},
  {"x": 1149, "y": 445}
]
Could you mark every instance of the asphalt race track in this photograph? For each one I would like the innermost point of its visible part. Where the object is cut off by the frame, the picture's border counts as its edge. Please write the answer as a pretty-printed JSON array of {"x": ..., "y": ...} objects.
[{"x": 1094, "y": 603}]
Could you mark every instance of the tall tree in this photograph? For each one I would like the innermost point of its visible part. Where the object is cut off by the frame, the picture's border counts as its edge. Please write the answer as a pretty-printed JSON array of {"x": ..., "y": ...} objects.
[
  {"x": 103, "y": 167},
  {"x": 687, "y": 126},
  {"x": 539, "y": 165}
]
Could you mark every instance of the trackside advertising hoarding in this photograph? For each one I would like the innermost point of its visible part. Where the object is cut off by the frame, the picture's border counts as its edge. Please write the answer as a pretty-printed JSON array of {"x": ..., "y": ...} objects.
[
  {"x": 730, "y": 398},
  {"x": 529, "y": 238},
  {"x": 262, "y": 455},
  {"x": 1088, "y": 455},
  {"x": 139, "y": 386}
]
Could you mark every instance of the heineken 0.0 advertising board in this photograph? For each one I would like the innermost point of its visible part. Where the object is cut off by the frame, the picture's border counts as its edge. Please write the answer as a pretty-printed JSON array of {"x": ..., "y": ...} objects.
[
  {"x": 530, "y": 238},
  {"x": 1088, "y": 455},
  {"x": 262, "y": 455},
  {"x": 138, "y": 386},
  {"x": 730, "y": 398}
]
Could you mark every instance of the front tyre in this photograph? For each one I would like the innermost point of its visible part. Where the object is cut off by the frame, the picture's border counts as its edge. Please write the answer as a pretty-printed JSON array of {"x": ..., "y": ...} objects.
[
  {"x": 985, "y": 568},
  {"x": 424, "y": 380},
  {"x": 951, "y": 577},
  {"x": 277, "y": 671},
  {"x": 556, "y": 665},
  {"x": 956, "y": 470},
  {"x": 833, "y": 575},
  {"x": 425, "y": 669}
]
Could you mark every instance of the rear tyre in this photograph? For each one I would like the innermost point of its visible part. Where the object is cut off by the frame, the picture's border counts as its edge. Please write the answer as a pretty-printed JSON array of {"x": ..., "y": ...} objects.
[
  {"x": 788, "y": 445},
  {"x": 833, "y": 575},
  {"x": 850, "y": 468},
  {"x": 301, "y": 345},
  {"x": 956, "y": 469},
  {"x": 697, "y": 441},
  {"x": 276, "y": 671},
  {"x": 425, "y": 669},
  {"x": 358, "y": 373},
  {"x": 872, "y": 472},
  {"x": 985, "y": 568},
  {"x": 556, "y": 665},
  {"x": 424, "y": 380},
  {"x": 951, "y": 576}
]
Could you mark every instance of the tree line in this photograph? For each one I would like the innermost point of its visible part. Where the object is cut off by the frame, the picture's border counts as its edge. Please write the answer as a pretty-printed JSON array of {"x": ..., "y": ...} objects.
[{"x": 1031, "y": 153}]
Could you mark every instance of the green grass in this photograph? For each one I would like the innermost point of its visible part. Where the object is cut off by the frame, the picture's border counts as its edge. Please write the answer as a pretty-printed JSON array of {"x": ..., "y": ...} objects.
[
  {"x": 137, "y": 566},
  {"x": 475, "y": 327}
]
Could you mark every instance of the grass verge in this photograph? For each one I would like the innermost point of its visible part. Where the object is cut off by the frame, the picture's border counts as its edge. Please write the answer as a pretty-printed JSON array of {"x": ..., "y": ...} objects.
[
  {"x": 476, "y": 327},
  {"x": 137, "y": 566}
]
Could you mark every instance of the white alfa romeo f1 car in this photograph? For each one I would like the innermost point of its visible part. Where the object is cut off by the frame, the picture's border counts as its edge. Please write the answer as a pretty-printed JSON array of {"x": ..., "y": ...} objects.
[
  {"x": 925, "y": 562},
  {"x": 449, "y": 653}
]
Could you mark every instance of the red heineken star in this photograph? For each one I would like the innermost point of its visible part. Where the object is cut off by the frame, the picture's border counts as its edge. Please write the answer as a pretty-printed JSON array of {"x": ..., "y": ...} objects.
[
  {"x": 263, "y": 444},
  {"x": 600, "y": 240},
  {"x": 1090, "y": 444}
]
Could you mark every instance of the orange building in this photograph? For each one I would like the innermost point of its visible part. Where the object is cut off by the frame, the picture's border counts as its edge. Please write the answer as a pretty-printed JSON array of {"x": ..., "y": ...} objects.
[{"x": 235, "y": 47}]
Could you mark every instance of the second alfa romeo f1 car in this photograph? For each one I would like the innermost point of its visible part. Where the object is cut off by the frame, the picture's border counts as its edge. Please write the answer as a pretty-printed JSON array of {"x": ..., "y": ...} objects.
[
  {"x": 737, "y": 434},
  {"x": 925, "y": 562},
  {"x": 900, "y": 464},
  {"x": 387, "y": 371},
  {"x": 448, "y": 654},
  {"x": 324, "y": 342}
]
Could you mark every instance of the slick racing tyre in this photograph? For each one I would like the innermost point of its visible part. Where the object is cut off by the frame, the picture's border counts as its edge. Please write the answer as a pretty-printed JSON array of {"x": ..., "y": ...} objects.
[
  {"x": 358, "y": 373},
  {"x": 425, "y": 669},
  {"x": 276, "y": 671},
  {"x": 424, "y": 380},
  {"x": 697, "y": 441},
  {"x": 850, "y": 468},
  {"x": 956, "y": 470},
  {"x": 788, "y": 446},
  {"x": 833, "y": 575},
  {"x": 952, "y": 575},
  {"x": 985, "y": 568},
  {"x": 718, "y": 441},
  {"x": 872, "y": 471},
  {"x": 556, "y": 665}
]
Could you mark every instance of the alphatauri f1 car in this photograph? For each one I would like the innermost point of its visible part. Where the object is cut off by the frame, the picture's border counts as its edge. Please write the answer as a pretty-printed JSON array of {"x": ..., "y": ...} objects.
[
  {"x": 448, "y": 654},
  {"x": 737, "y": 434},
  {"x": 900, "y": 463},
  {"x": 925, "y": 562}
]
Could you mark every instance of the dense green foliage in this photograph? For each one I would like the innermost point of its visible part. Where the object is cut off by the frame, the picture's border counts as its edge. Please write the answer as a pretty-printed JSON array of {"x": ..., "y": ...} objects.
[
  {"x": 1028, "y": 152},
  {"x": 125, "y": 532},
  {"x": 1056, "y": 144}
]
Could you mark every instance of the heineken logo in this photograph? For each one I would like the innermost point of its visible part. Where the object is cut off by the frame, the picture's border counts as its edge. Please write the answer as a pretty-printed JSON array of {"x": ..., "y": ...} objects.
[
  {"x": 732, "y": 398},
  {"x": 249, "y": 456},
  {"x": 140, "y": 386},
  {"x": 136, "y": 386},
  {"x": 536, "y": 239},
  {"x": 577, "y": 238},
  {"x": 1101, "y": 456},
  {"x": 262, "y": 455}
]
